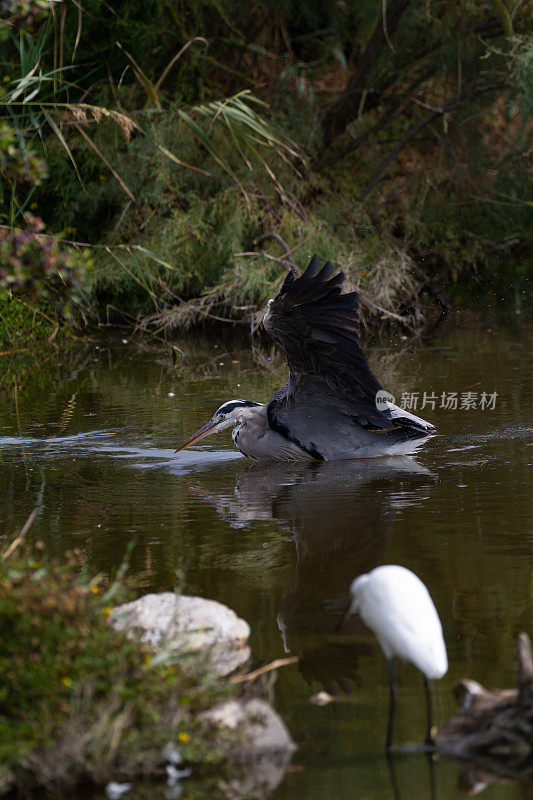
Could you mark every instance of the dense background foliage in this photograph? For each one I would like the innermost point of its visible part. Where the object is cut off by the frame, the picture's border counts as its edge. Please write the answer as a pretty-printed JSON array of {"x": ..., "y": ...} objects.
[{"x": 201, "y": 147}]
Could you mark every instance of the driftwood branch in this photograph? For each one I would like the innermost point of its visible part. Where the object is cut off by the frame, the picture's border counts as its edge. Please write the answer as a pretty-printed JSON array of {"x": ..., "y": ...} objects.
[
  {"x": 493, "y": 730},
  {"x": 276, "y": 664},
  {"x": 525, "y": 670}
]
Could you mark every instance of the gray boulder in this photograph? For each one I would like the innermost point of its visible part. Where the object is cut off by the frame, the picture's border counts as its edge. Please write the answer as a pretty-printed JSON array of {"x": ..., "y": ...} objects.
[
  {"x": 173, "y": 623},
  {"x": 264, "y": 747}
]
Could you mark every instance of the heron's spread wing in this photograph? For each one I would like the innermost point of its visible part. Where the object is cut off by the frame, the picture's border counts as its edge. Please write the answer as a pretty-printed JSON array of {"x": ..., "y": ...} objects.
[
  {"x": 316, "y": 326},
  {"x": 328, "y": 407}
]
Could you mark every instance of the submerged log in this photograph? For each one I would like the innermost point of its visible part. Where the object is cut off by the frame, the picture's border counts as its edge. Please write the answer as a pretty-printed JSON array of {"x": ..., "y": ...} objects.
[{"x": 493, "y": 730}]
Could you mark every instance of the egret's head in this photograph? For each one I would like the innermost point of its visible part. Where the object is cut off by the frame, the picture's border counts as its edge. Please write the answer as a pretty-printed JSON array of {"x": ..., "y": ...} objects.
[
  {"x": 356, "y": 592},
  {"x": 228, "y": 415},
  {"x": 356, "y": 588}
]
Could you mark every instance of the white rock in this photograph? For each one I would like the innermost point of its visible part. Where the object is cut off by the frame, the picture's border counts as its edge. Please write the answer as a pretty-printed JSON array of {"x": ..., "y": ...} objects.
[{"x": 172, "y": 623}]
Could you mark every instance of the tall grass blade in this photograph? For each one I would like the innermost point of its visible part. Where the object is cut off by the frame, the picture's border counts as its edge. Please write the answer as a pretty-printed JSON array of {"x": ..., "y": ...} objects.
[
  {"x": 106, "y": 162},
  {"x": 64, "y": 144}
]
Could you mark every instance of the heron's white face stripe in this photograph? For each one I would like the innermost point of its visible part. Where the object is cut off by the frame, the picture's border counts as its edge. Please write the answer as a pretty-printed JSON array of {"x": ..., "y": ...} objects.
[{"x": 231, "y": 405}]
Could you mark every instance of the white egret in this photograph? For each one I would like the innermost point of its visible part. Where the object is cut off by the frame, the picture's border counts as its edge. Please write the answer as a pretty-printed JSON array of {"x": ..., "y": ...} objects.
[{"x": 394, "y": 603}]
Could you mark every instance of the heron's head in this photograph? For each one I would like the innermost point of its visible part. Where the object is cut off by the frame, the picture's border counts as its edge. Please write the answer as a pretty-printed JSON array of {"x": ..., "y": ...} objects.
[
  {"x": 356, "y": 589},
  {"x": 229, "y": 414}
]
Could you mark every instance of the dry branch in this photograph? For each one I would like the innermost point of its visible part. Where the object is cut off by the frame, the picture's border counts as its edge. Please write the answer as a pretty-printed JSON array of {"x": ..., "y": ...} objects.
[
  {"x": 493, "y": 730},
  {"x": 450, "y": 105}
]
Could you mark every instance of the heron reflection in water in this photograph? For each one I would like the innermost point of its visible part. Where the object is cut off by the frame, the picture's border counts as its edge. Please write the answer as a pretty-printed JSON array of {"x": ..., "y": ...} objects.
[
  {"x": 336, "y": 520},
  {"x": 332, "y": 406}
]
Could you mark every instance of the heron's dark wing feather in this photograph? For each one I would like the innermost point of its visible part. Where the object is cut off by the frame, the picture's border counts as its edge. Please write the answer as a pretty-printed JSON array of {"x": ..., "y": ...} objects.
[
  {"x": 316, "y": 326},
  {"x": 328, "y": 407}
]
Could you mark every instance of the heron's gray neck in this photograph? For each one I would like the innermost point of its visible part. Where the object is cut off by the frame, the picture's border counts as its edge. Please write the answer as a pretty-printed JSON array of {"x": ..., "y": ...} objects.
[
  {"x": 255, "y": 438},
  {"x": 251, "y": 425},
  {"x": 253, "y": 418}
]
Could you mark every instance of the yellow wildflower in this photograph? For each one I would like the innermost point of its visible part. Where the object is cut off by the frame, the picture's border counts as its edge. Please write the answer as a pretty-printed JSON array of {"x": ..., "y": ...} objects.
[
  {"x": 66, "y": 681},
  {"x": 183, "y": 737},
  {"x": 95, "y": 589}
]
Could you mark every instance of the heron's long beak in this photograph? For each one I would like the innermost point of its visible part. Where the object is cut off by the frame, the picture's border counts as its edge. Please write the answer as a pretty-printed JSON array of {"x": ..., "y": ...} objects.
[
  {"x": 345, "y": 614},
  {"x": 205, "y": 430}
]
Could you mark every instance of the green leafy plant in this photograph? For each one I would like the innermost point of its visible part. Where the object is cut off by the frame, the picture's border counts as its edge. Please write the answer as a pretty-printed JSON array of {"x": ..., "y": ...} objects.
[
  {"x": 77, "y": 699},
  {"x": 38, "y": 267}
]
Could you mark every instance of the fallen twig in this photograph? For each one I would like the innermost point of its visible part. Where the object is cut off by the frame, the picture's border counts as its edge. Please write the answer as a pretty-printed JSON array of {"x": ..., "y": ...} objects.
[
  {"x": 20, "y": 538},
  {"x": 278, "y": 662}
]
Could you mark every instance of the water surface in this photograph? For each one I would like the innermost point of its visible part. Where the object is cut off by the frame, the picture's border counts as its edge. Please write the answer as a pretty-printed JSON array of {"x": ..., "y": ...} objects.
[{"x": 89, "y": 440}]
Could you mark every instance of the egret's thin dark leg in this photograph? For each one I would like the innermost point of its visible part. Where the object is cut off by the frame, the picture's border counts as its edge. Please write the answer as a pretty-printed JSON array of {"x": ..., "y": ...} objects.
[
  {"x": 393, "y": 778},
  {"x": 392, "y": 704},
  {"x": 432, "y": 781},
  {"x": 427, "y": 686}
]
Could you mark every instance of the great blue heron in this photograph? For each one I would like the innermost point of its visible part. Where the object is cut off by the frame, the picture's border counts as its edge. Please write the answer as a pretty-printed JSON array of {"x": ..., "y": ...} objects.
[{"x": 332, "y": 406}]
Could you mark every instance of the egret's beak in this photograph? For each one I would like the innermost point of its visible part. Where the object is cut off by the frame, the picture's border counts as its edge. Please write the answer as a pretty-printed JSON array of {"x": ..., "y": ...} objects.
[
  {"x": 345, "y": 614},
  {"x": 205, "y": 430}
]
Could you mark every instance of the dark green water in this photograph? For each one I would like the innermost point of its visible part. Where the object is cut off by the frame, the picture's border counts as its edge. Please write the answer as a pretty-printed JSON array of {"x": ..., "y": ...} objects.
[{"x": 89, "y": 440}]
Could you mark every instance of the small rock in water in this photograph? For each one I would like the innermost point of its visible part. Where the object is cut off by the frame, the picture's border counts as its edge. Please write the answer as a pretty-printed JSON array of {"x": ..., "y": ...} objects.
[
  {"x": 174, "y": 775},
  {"x": 172, "y": 754},
  {"x": 321, "y": 699},
  {"x": 263, "y": 730},
  {"x": 115, "y": 790}
]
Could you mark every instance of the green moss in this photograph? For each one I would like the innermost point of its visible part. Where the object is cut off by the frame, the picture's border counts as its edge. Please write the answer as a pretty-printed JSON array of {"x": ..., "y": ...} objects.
[{"x": 77, "y": 699}]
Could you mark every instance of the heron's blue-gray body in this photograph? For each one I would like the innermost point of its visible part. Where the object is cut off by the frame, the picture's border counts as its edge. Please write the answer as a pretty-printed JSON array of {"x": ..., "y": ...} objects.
[
  {"x": 331, "y": 407},
  {"x": 328, "y": 436}
]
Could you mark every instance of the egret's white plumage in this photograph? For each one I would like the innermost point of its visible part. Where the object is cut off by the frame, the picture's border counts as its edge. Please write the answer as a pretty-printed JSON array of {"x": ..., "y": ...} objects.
[{"x": 394, "y": 603}]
